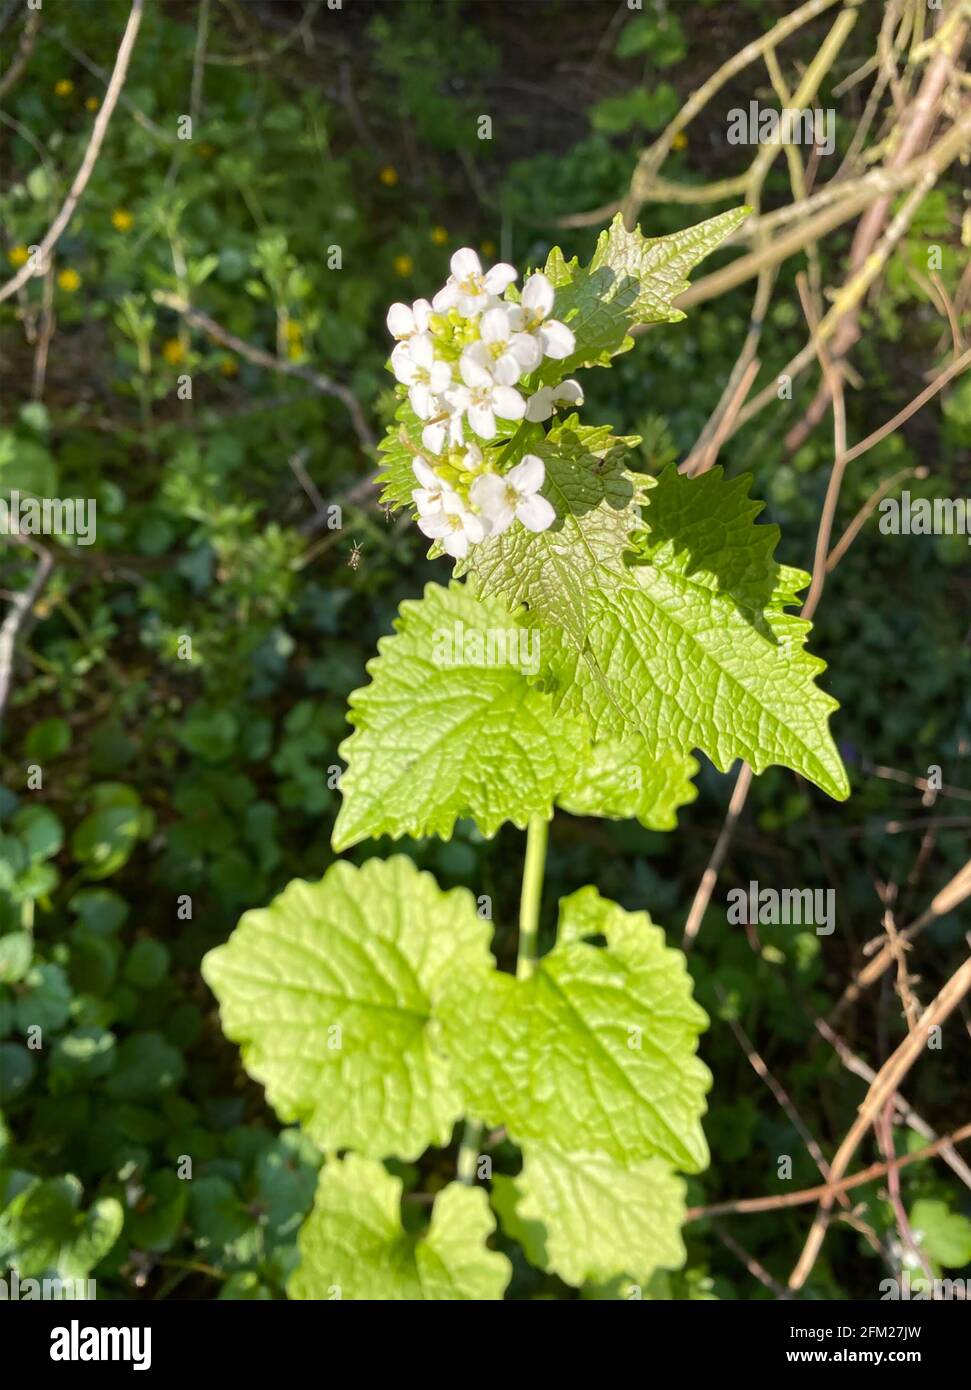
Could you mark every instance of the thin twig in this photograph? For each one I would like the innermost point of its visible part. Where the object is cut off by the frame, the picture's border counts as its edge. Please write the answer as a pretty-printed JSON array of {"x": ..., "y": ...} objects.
[
  {"x": 17, "y": 615},
  {"x": 710, "y": 877},
  {"x": 857, "y": 1067},
  {"x": 954, "y": 892},
  {"x": 885, "y": 1083},
  {"x": 883, "y": 1128},
  {"x": 260, "y": 358},
  {"x": 757, "y": 1270},
  {"x": 22, "y": 57},
  {"x": 746, "y": 1206},
  {"x": 38, "y": 262},
  {"x": 866, "y": 511},
  {"x": 44, "y": 335}
]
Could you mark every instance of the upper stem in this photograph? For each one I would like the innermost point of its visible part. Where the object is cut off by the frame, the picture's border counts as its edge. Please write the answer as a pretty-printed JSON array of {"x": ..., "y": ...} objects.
[{"x": 529, "y": 903}]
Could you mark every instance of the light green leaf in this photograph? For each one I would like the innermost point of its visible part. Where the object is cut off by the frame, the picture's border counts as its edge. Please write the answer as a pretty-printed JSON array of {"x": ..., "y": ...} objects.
[
  {"x": 354, "y": 1247},
  {"x": 398, "y": 450},
  {"x": 588, "y": 1217},
  {"x": 595, "y": 1053},
  {"x": 692, "y": 648},
  {"x": 661, "y": 264},
  {"x": 596, "y": 501},
  {"x": 631, "y": 279},
  {"x": 331, "y": 992},
  {"x": 621, "y": 780},
  {"x": 944, "y": 1234},
  {"x": 436, "y": 742},
  {"x": 438, "y": 737}
]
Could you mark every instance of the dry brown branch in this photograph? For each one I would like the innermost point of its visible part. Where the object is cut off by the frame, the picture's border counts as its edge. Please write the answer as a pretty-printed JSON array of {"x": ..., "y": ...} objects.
[
  {"x": 905, "y": 1110},
  {"x": 38, "y": 263},
  {"x": 22, "y": 57},
  {"x": 18, "y": 613},
  {"x": 883, "y": 1128},
  {"x": 884, "y": 1085},
  {"x": 892, "y": 774},
  {"x": 44, "y": 335},
  {"x": 915, "y": 127},
  {"x": 757, "y": 1270},
  {"x": 650, "y": 162},
  {"x": 867, "y": 510},
  {"x": 954, "y": 892},
  {"x": 746, "y": 1206},
  {"x": 260, "y": 358},
  {"x": 705, "y": 453},
  {"x": 709, "y": 878}
]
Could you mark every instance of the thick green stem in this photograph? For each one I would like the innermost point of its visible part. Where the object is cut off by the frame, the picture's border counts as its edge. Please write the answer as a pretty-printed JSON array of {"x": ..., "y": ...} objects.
[
  {"x": 537, "y": 834},
  {"x": 469, "y": 1152},
  {"x": 529, "y": 903}
]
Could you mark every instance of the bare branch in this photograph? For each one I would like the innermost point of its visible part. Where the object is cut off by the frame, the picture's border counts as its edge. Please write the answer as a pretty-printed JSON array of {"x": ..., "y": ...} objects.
[{"x": 37, "y": 264}]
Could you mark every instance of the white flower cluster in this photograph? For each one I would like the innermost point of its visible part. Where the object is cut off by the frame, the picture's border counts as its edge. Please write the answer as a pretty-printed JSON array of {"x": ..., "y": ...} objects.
[{"x": 462, "y": 357}]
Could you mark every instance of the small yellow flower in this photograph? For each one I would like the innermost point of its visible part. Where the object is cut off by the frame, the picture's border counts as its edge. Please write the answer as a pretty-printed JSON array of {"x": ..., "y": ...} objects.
[
  {"x": 17, "y": 256},
  {"x": 122, "y": 220},
  {"x": 64, "y": 88},
  {"x": 488, "y": 248},
  {"x": 439, "y": 236},
  {"x": 92, "y": 104},
  {"x": 294, "y": 331},
  {"x": 173, "y": 351},
  {"x": 295, "y": 350},
  {"x": 388, "y": 176},
  {"x": 69, "y": 280},
  {"x": 680, "y": 141},
  {"x": 229, "y": 366},
  {"x": 403, "y": 265}
]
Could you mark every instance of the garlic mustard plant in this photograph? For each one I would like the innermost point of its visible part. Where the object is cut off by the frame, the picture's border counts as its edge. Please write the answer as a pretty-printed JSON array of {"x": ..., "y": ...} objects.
[{"x": 369, "y": 1004}]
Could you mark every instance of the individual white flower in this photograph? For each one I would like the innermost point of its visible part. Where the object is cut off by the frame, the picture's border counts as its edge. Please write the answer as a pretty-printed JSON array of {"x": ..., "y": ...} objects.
[
  {"x": 482, "y": 398},
  {"x": 404, "y": 322},
  {"x": 537, "y": 304},
  {"x": 430, "y": 497},
  {"x": 454, "y": 524},
  {"x": 470, "y": 460},
  {"x": 514, "y": 495},
  {"x": 440, "y": 432},
  {"x": 512, "y": 353},
  {"x": 542, "y": 404},
  {"x": 468, "y": 289},
  {"x": 414, "y": 363}
]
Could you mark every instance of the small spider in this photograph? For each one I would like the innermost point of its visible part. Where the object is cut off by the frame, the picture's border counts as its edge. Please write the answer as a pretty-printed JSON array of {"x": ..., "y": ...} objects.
[{"x": 354, "y": 559}]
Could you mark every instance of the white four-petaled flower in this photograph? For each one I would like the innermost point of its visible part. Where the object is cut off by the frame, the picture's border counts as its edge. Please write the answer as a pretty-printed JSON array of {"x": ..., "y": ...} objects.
[
  {"x": 405, "y": 323},
  {"x": 442, "y": 515},
  {"x": 415, "y": 365},
  {"x": 512, "y": 353},
  {"x": 543, "y": 403},
  {"x": 468, "y": 288},
  {"x": 514, "y": 496},
  {"x": 537, "y": 305},
  {"x": 482, "y": 397}
]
